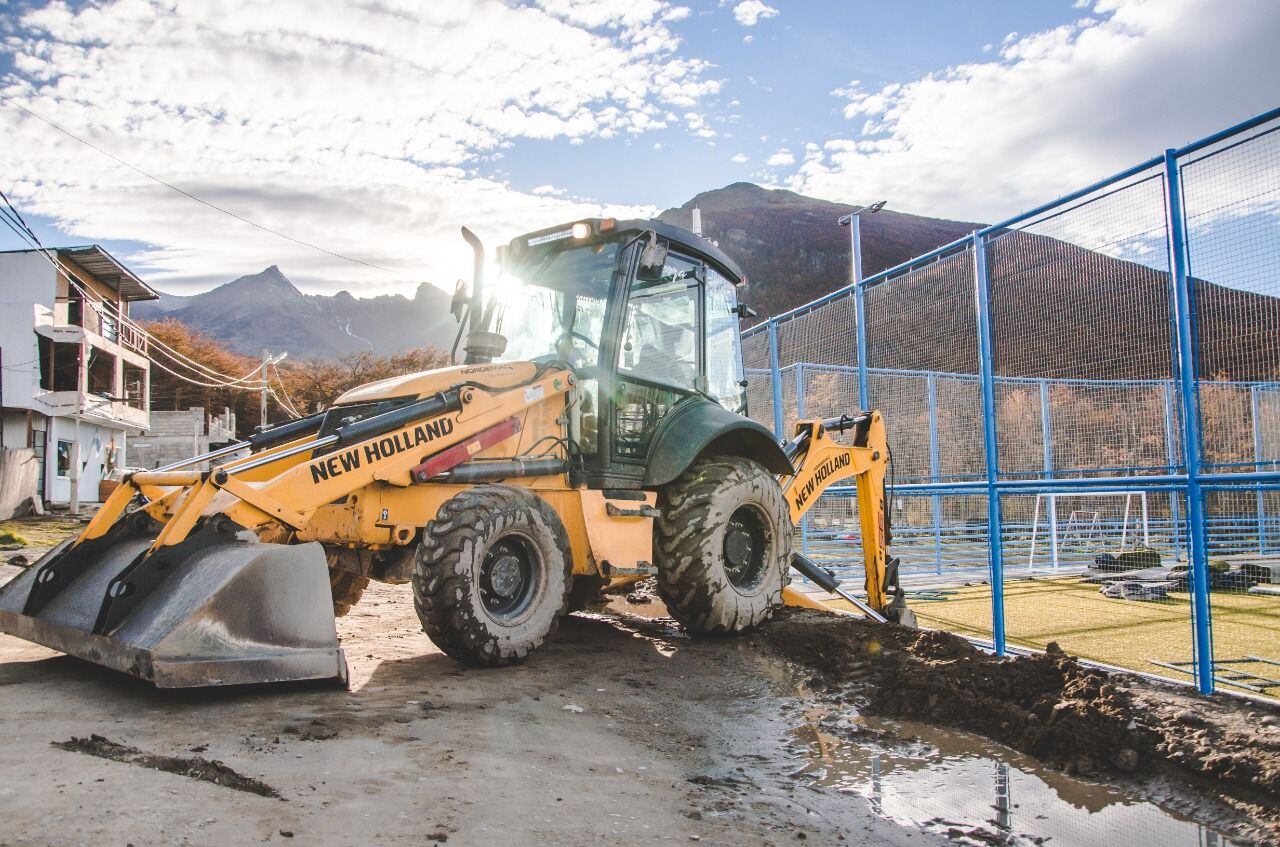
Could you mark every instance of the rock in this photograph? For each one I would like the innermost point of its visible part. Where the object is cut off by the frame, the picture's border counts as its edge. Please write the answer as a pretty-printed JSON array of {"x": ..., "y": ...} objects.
[
  {"x": 1188, "y": 717},
  {"x": 1126, "y": 760},
  {"x": 573, "y": 707},
  {"x": 1053, "y": 649},
  {"x": 287, "y": 833}
]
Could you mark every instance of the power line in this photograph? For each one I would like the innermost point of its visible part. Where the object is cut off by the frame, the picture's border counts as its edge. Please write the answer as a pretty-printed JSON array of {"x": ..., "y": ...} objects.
[
  {"x": 102, "y": 307},
  {"x": 197, "y": 199},
  {"x": 288, "y": 401},
  {"x": 93, "y": 300}
]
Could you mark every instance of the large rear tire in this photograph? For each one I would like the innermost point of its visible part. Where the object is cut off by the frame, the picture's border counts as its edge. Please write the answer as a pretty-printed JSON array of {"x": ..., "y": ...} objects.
[
  {"x": 492, "y": 575},
  {"x": 722, "y": 545}
]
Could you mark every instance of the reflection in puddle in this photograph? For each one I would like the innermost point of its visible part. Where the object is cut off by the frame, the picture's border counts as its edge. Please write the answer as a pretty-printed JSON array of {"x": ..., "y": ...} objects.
[{"x": 976, "y": 792}]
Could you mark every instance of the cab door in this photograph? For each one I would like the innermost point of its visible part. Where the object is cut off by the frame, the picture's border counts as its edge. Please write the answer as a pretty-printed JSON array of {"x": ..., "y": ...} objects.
[{"x": 660, "y": 356}]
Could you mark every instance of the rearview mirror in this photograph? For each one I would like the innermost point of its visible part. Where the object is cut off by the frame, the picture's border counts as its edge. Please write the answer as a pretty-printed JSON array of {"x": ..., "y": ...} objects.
[
  {"x": 654, "y": 257},
  {"x": 458, "y": 305}
]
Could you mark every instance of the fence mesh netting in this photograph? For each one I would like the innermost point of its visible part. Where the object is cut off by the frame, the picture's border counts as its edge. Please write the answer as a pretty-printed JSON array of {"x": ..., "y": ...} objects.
[{"x": 1084, "y": 338}]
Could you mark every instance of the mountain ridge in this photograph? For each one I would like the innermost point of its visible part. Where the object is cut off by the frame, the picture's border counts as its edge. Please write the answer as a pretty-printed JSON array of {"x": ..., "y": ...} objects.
[{"x": 267, "y": 311}]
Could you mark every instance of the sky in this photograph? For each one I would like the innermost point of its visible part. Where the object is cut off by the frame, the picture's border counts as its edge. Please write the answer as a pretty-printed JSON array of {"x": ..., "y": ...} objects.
[{"x": 372, "y": 130}]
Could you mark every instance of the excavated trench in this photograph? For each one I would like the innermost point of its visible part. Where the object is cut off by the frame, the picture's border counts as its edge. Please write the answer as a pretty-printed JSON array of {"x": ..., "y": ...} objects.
[{"x": 888, "y": 687}]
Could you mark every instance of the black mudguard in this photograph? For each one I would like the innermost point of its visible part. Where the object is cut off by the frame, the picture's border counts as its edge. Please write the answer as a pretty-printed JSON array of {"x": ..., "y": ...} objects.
[{"x": 700, "y": 427}]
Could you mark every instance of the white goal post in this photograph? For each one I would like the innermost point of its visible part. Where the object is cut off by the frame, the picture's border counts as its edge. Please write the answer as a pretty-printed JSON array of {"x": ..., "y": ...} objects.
[{"x": 1089, "y": 518}]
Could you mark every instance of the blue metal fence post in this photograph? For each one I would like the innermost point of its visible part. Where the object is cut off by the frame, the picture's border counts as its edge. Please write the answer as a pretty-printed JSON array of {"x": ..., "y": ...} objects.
[
  {"x": 935, "y": 470},
  {"x": 986, "y": 372},
  {"x": 1255, "y": 408},
  {"x": 775, "y": 377},
  {"x": 1171, "y": 459},
  {"x": 860, "y": 317},
  {"x": 1184, "y": 315},
  {"x": 1051, "y": 502}
]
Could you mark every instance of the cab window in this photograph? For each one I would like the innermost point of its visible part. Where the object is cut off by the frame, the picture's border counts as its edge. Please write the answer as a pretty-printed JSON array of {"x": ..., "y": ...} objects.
[
  {"x": 659, "y": 332},
  {"x": 724, "y": 345}
]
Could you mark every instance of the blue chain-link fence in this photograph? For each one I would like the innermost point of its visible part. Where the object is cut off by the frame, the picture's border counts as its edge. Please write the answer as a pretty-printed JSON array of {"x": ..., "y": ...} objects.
[{"x": 1099, "y": 381}]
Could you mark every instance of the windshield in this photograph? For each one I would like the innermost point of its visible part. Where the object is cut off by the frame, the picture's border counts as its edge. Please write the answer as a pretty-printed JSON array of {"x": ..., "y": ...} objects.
[{"x": 551, "y": 304}]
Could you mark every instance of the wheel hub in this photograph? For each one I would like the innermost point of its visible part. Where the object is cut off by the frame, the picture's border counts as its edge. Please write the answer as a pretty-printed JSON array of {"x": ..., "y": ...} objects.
[
  {"x": 505, "y": 576},
  {"x": 737, "y": 546},
  {"x": 745, "y": 549},
  {"x": 509, "y": 575}
]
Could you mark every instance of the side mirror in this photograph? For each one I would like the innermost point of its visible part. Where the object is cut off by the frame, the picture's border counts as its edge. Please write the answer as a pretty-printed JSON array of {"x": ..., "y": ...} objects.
[
  {"x": 654, "y": 257},
  {"x": 458, "y": 305}
]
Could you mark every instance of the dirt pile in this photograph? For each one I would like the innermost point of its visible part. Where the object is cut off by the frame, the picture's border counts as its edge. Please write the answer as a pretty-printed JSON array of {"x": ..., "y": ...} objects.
[
  {"x": 1075, "y": 718},
  {"x": 195, "y": 767}
]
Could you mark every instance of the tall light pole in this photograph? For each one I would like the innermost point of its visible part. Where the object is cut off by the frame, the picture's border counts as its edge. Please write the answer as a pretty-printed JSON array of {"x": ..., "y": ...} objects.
[{"x": 853, "y": 220}]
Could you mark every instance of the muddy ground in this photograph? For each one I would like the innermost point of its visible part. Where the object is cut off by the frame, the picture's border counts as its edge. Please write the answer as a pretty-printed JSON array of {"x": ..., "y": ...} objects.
[
  {"x": 1153, "y": 738},
  {"x": 619, "y": 731}
]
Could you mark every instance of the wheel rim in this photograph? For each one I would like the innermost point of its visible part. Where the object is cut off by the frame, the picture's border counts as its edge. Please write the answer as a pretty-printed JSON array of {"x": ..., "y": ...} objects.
[
  {"x": 510, "y": 574},
  {"x": 745, "y": 548}
]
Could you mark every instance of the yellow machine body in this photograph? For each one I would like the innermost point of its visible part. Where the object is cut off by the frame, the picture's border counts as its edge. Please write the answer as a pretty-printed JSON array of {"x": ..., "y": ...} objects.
[{"x": 175, "y": 578}]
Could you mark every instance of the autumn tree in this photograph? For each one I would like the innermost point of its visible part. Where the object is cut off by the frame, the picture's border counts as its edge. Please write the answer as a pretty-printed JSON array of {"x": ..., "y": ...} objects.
[{"x": 307, "y": 386}]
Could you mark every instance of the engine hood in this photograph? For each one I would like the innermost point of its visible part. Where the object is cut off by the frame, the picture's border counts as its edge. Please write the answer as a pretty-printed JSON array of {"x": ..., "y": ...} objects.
[{"x": 424, "y": 383}]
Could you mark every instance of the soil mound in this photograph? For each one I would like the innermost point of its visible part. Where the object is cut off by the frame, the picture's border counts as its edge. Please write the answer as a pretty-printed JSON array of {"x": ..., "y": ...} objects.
[{"x": 1075, "y": 718}]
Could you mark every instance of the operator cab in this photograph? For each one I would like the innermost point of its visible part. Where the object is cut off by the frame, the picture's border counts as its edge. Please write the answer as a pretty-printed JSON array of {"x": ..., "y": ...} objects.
[{"x": 644, "y": 312}]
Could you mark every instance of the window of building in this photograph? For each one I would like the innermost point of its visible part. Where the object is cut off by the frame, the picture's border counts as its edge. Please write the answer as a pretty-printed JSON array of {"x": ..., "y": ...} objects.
[
  {"x": 64, "y": 458},
  {"x": 102, "y": 373},
  {"x": 135, "y": 386},
  {"x": 59, "y": 365}
]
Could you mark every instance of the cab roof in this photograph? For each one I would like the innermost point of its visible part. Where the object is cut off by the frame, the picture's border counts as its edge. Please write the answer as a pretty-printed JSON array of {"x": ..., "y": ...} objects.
[{"x": 680, "y": 237}]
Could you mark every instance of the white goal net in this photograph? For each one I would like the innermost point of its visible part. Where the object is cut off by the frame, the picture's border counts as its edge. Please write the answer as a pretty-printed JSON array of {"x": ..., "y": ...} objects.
[{"x": 1071, "y": 528}]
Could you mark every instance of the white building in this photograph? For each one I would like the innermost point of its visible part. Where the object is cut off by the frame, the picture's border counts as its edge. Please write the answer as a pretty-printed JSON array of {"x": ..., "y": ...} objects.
[{"x": 76, "y": 380}]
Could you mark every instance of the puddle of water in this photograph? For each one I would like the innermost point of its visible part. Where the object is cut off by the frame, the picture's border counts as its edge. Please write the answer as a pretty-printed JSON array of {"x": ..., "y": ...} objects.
[
  {"x": 945, "y": 782},
  {"x": 653, "y": 610}
]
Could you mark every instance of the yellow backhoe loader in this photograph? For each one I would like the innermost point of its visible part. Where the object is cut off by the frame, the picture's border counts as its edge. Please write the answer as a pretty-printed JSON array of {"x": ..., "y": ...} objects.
[{"x": 594, "y": 434}]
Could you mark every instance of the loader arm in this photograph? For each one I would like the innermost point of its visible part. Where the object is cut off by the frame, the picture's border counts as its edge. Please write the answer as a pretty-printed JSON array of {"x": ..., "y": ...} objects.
[
  {"x": 172, "y": 591},
  {"x": 820, "y": 462}
]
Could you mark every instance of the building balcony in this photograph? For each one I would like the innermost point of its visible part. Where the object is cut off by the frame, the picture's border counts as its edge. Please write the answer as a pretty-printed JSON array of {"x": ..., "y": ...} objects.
[{"x": 104, "y": 411}]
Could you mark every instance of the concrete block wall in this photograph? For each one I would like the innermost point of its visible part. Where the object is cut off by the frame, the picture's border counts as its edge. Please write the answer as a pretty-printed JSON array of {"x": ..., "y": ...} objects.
[{"x": 175, "y": 436}]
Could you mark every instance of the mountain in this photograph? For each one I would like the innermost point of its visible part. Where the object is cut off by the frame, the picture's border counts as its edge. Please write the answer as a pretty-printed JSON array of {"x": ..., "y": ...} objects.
[
  {"x": 266, "y": 310},
  {"x": 1058, "y": 310},
  {"x": 791, "y": 248}
]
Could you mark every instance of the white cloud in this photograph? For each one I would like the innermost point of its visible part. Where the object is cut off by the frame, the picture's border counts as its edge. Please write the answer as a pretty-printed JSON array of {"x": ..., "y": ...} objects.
[
  {"x": 738, "y": 158},
  {"x": 1056, "y": 110},
  {"x": 360, "y": 129},
  {"x": 751, "y": 12},
  {"x": 783, "y": 158},
  {"x": 747, "y": 39}
]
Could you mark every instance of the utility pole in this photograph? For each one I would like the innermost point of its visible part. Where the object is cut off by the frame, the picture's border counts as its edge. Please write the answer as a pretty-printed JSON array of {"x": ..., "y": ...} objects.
[
  {"x": 262, "y": 402},
  {"x": 74, "y": 470}
]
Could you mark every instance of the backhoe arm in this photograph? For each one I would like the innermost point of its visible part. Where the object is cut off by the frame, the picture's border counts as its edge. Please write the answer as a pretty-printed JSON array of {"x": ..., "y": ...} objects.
[{"x": 821, "y": 462}]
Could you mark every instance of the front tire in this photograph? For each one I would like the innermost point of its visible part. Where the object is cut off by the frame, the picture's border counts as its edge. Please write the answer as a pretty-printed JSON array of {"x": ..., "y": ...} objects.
[
  {"x": 492, "y": 575},
  {"x": 346, "y": 586},
  {"x": 722, "y": 543}
]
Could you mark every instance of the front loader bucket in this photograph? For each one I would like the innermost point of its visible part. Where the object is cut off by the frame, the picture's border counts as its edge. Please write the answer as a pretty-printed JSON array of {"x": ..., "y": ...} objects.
[{"x": 232, "y": 613}]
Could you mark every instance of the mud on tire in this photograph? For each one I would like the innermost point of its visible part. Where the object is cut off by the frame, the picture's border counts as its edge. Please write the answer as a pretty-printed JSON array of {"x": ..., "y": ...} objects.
[
  {"x": 722, "y": 545},
  {"x": 492, "y": 575}
]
